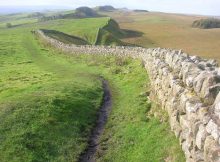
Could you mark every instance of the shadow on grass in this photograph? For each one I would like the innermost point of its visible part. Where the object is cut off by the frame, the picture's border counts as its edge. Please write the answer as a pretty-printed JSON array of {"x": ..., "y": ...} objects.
[{"x": 131, "y": 33}]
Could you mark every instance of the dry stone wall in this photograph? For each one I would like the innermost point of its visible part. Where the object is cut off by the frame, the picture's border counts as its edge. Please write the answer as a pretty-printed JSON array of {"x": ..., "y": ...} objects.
[{"x": 187, "y": 88}]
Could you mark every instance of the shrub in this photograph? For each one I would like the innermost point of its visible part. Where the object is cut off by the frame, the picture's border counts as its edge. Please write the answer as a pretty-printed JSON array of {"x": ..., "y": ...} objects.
[
  {"x": 8, "y": 25},
  {"x": 206, "y": 23}
]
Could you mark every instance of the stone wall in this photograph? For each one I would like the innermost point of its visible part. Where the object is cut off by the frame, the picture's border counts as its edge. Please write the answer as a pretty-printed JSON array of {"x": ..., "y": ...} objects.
[{"x": 187, "y": 88}]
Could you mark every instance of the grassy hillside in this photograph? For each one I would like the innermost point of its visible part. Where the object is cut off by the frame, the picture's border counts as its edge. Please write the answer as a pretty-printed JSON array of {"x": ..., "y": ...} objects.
[
  {"x": 49, "y": 101},
  {"x": 84, "y": 28},
  {"x": 208, "y": 23},
  {"x": 105, "y": 37},
  {"x": 110, "y": 34},
  {"x": 170, "y": 31},
  {"x": 105, "y": 31}
]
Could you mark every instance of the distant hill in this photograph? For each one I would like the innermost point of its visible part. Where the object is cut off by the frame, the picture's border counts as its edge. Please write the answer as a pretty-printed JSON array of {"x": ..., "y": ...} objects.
[
  {"x": 106, "y": 8},
  {"x": 207, "y": 23},
  {"x": 141, "y": 11},
  {"x": 81, "y": 12},
  {"x": 85, "y": 12}
]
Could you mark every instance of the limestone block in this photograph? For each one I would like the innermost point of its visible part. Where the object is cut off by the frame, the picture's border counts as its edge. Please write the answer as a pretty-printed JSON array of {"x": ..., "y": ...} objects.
[
  {"x": 211, "y": 94},
  {"x": 198, "y": 81},
  {"x": 185, "y": 148},
  {"x": 197, "y": 156},
  {"x": 212, "y": 128},
  {"x": 217, "y": 105},
  {"x": 201, "y": 136},
  {"x": 192, "y": 105},
  {"x": 211, "y": 150},
  {"x": 203, "y": 115},
  {"x": 210, "y": 80}
]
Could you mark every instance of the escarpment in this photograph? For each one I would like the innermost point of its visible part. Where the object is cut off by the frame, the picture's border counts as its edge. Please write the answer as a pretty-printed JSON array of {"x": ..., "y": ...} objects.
[{"x": 187, "y": 87}]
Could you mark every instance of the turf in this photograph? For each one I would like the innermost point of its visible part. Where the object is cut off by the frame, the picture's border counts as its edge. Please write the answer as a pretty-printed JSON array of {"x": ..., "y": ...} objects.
[
  {"x": 47, "y": 106},
  {"x": 49, "y": 101}
]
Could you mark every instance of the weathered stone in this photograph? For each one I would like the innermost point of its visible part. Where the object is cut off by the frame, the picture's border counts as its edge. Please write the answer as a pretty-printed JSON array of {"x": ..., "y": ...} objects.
[
  {"x": 203, "y": 115},
  {"x": 198, "y": 156},
  {"x": 217, "y": 105},
  {"x": 212, "y": 128},
  {"x": 200, "y": 137},
  {"x": 211, "y": 150},
  {"x": 185, "y": 147},
  {"x": 210, "y": 80},
  {"x": 211, "y": 94},
  {"x": 198, "y": 81}
]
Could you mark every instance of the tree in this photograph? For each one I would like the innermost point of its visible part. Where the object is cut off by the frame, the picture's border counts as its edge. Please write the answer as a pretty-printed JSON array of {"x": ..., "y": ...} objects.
[{"x": 8, "y": 25}]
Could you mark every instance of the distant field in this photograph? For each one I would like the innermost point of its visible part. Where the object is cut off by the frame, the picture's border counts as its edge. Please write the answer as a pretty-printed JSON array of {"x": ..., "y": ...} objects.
[
  {"x": 171, "y": 31},
  {"x": 84, "y": 28}
]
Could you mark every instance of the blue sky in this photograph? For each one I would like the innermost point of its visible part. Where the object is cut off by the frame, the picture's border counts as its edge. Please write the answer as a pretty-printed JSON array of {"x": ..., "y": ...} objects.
[{"x": 205, "y": 7}]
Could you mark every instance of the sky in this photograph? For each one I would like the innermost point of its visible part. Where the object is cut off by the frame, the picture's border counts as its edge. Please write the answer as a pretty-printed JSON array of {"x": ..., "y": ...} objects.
[{"x": 203, "y": 7}]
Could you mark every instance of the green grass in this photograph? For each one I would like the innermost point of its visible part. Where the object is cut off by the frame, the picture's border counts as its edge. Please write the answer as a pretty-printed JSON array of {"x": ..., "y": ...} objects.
[
  {"x": 48, "y": 102},
  {"x": 47, "y": 107},
  {"x": 132, "y": 134}
]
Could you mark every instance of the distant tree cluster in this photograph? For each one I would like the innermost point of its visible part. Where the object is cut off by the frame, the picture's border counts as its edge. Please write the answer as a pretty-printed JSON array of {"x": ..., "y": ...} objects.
[
  {"x": 206, "y": 23},
  {"x": 81, "y": 12},
  {"x": 8, "y": 25},
  {"x": 141, "y": 11},
  {"x": 35, "y": 15},
  {"x": 47, "y": 18},
  {"x": 106, "y": 8}
]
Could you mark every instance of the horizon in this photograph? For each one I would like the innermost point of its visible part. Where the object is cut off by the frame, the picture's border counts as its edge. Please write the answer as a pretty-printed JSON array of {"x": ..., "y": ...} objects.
[{"x": 197, "y": 7}]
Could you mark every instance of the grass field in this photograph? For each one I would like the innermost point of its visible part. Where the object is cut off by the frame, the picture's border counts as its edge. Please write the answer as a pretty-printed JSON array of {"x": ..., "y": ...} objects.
[
  {"x": 47, "y": 106},
  {"x": 48, "y": 101},
  {"x": 170, "y": 31}
]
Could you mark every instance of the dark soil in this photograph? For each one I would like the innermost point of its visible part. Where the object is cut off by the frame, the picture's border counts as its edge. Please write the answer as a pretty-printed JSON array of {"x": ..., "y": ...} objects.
[{"x": 93, "y": 143}]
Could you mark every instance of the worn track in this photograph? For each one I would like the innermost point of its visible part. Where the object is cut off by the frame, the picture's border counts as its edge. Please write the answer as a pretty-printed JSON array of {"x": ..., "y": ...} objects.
[{"x": 93, "y": 142}]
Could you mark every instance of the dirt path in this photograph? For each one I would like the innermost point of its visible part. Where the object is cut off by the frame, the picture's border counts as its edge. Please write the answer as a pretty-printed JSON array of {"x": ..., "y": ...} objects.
[{"x": 93, "y": 143}]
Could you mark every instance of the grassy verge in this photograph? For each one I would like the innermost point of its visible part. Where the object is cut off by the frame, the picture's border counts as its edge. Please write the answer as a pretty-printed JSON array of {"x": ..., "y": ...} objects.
[{"x": 132, "y": 133}]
